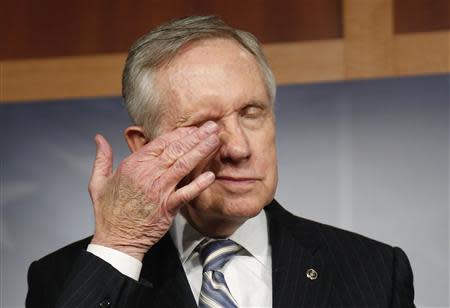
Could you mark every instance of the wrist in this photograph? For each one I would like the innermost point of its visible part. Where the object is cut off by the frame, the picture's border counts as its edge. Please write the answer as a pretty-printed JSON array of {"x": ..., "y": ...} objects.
[{"x": 129, "y": 249}]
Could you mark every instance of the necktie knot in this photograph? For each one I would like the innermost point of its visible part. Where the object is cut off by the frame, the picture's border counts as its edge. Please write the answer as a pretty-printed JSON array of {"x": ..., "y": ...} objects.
[{"x": 214, "y": 254}]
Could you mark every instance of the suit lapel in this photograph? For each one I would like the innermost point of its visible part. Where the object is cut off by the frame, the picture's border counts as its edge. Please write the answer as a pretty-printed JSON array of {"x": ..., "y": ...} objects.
[
  {"x": 163, "y": 271},
  {"x": 296, "y": 251},
  {"x": 295, "y": 248}
]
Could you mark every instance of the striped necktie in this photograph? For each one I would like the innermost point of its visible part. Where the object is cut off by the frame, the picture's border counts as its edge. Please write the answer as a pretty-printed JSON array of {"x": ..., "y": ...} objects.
[{"x": 214, "y": 254}]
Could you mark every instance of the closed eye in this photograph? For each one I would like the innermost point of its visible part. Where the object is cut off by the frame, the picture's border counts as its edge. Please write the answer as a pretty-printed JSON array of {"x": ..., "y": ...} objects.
[{"x": 253, "y": 111}]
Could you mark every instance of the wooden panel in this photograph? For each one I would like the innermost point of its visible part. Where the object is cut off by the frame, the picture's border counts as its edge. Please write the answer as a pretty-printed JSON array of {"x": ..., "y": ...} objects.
[
  {"x": 304, "y": 62},
  {"x": 51, "y": 28},
  {"x": 90, "y": 76},
  {"x": 61, "y": 78},
  {"x": 368, "y": 38},
  {"x": 422, "y": 53},
  {"x": 421, "y": 15}
]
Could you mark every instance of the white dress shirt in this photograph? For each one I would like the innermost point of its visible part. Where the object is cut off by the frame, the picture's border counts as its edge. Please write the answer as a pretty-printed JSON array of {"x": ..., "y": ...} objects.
[
  {"x": 248, "y": 274},
  {"x": 126, "y": 264}
]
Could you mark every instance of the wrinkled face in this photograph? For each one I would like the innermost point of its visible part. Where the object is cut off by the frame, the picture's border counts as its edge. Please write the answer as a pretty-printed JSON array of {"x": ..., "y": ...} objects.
[{"x": 217, "y": 79}]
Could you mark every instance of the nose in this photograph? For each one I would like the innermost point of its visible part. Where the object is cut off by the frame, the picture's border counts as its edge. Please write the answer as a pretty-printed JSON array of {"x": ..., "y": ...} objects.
[{"x": 235, "y": 144}]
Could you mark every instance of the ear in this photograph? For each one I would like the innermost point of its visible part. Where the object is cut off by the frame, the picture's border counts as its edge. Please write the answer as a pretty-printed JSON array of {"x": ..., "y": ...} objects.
[{"x": 135, "y": 138}]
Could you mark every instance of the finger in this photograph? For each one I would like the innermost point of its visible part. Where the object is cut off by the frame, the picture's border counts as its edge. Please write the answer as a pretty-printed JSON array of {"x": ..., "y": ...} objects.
[
  {"x": 157, "y": 146},
  {"x": 103, "y": 162},
  {"x": 185, "y": 164},
  {"x": 182, "y": 146},
  {"x": 187, "y": 193}
]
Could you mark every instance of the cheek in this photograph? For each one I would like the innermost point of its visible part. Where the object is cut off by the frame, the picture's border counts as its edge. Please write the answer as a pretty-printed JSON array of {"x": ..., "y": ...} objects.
[
  {"x": 264, "y": 146},
  {"x": 268, "y": 165},
  {"x": 267, "y": 160}
]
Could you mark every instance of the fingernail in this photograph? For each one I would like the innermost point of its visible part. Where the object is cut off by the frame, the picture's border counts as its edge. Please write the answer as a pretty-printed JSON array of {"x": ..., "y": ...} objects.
[
  {"x": 210, "y": 126},
  {"x": 209, "y": 176},
  {"x": 212, "y": 140}
]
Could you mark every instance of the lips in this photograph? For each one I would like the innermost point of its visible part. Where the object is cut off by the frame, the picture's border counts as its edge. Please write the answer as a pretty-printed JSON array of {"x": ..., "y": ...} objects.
[
  {"x": 237, "y": 184},
  {"x": 236, "y": 179}
]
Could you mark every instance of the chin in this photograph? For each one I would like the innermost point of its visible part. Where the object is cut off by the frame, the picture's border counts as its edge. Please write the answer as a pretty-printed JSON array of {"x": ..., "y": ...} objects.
[
  {"x": 243, "y": 208},
  {"x": 233, "y": 207},
  {"x": 220, "y": 217}
]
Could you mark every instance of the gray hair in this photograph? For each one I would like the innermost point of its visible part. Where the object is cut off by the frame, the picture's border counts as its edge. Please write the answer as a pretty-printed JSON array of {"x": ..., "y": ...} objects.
[{"x": 141, "y": 98}]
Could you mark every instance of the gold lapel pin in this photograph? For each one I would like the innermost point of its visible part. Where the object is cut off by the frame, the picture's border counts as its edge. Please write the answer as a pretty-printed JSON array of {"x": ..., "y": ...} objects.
[{"x": 312, "y": 274}]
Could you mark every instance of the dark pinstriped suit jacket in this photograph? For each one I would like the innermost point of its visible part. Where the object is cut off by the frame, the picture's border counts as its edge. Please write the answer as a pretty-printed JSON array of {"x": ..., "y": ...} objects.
[{"x": 353, "y": 271}]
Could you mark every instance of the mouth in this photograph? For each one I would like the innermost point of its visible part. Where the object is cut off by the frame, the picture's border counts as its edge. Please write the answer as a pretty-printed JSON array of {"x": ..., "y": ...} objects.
[{"x": 237, "y": 184}]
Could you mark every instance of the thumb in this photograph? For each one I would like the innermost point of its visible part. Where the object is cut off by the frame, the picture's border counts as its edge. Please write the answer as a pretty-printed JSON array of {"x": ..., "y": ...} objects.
[{"x": 103, "y": 160}]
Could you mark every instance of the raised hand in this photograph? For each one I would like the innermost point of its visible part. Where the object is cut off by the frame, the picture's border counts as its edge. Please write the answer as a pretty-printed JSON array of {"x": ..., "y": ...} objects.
[{"x": 135, "y": 205}]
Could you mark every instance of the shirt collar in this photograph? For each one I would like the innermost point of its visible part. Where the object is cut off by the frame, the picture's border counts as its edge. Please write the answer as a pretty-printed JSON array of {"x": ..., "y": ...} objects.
[{"x": 251, "y": 235}]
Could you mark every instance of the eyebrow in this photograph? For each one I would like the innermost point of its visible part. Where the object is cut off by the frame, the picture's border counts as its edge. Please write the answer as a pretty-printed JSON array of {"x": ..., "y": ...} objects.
[{"x": 258, "y": 103}]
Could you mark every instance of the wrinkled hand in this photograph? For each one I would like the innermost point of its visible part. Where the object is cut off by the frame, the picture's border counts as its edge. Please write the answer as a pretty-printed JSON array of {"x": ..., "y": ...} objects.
[{"x": 134, "y": 206}]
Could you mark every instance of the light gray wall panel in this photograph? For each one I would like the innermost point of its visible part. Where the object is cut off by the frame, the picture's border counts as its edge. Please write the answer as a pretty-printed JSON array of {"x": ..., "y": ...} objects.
[{"x": 373, "y": 157}]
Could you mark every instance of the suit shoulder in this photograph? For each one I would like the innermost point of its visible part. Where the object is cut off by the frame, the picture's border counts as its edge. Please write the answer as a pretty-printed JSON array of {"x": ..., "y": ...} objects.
[
  {"x": 312, "y": 233},
  {"x": 334, "y": 236}
]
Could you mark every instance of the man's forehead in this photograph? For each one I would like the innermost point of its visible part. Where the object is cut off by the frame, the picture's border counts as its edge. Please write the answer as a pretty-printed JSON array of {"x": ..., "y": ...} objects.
[
  {"x": 202, "y": 60},
  {"x": 207, "y": 52},
  {"x": 205, "y": 44}
]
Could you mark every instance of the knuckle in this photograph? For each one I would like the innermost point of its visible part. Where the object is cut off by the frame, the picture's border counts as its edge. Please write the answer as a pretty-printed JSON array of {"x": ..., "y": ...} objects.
[
  {"x": 149, "y": 152},
  {"x": 185, "y": 196},
  {"x": 155, "y": 187},
  {"x": 197, "y": 137},
  {"x": 176, "y": 149},
  {"x": 160, "y": 140},
  {"x": 197, "y": 187},
  {"x": 181, "y": 165},
  {"x": 204, "y": 149},
  {"x": 190, "y": 191},
  {"x": 156, "y": 146}
]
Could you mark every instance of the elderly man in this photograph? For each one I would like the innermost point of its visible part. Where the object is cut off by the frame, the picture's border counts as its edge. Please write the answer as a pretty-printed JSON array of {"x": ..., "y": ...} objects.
[{"x": 189, "y": 218}]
